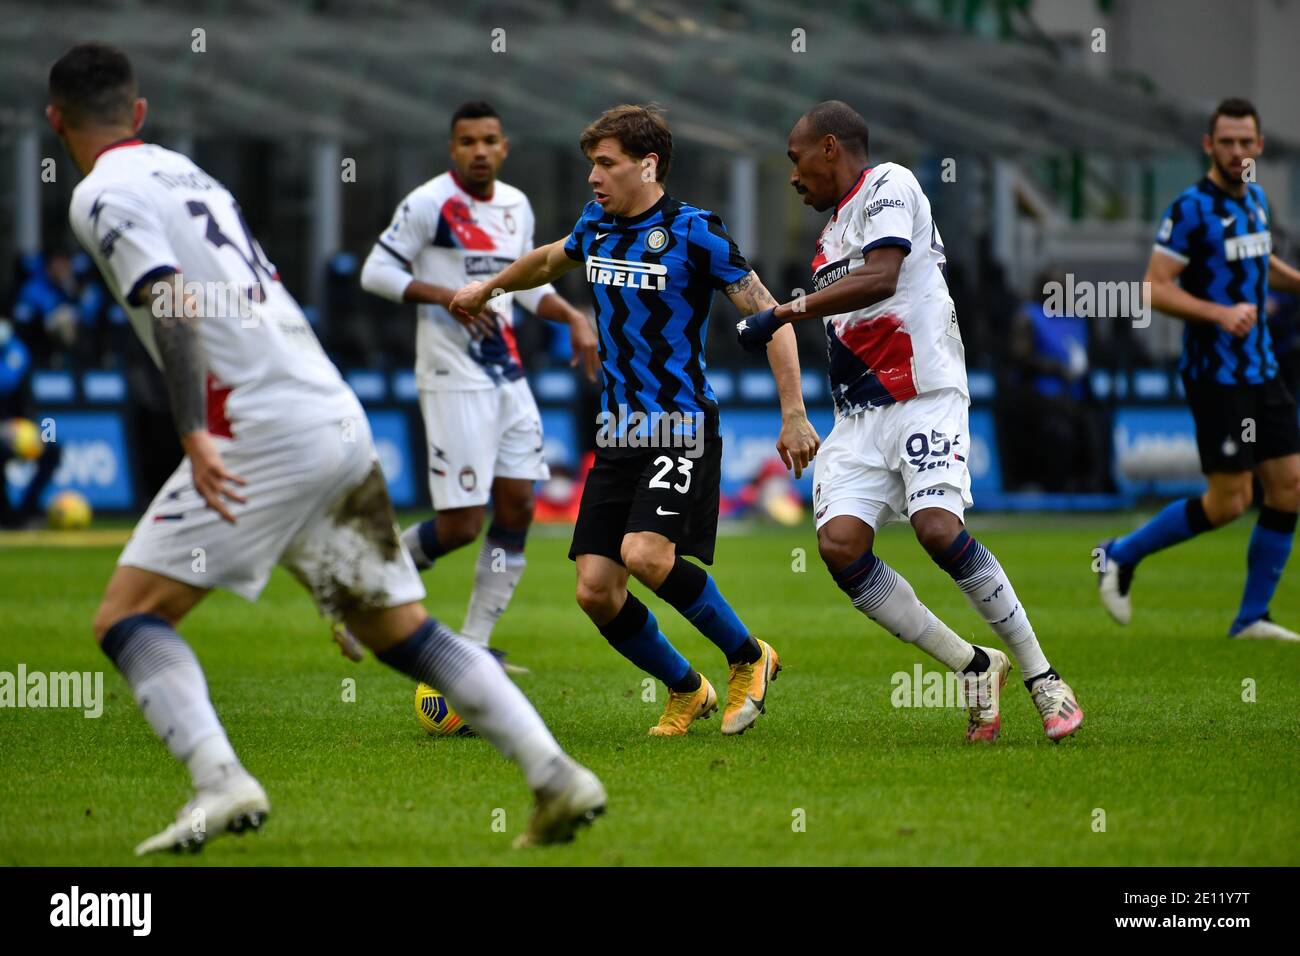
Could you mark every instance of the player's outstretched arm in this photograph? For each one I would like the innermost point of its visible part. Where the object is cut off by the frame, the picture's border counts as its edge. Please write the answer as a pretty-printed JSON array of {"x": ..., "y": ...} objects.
[
  {"x": 799, "y": 441},
  {"x": 1170, "y": 298},
  {"x": 873, "y": 281},
  {"x": 180, "y": 353},
  {"x": 387, "y": 275},
  {"x": 1282, "y": 277},
  {"x": 534, "y": 268}
]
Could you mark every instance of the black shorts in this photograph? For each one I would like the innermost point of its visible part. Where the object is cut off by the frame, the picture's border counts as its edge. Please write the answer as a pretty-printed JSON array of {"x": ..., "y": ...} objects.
[
  {"x": 656, "y": 490},
  {"x": 1238, "y": 426}
]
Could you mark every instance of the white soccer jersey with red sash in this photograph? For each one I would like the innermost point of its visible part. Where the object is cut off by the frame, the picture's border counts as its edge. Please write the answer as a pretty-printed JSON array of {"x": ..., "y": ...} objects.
[
  {"x": 910, "y": 343},
  {"x": 449, "y": 237}
]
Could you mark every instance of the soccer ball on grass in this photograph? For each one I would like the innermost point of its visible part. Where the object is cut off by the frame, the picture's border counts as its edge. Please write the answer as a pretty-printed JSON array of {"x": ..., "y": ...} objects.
[{"x": 436, "y": 716}]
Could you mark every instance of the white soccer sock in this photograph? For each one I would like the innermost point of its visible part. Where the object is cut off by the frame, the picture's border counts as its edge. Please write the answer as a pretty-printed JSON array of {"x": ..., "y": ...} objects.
[
  {"x": 988, "y": 589},
  {"x": 213, "y": 760},
  {"x": 169, "y": 686},
  {"x": 884, "y": 595},
  {"x": 496, "y": 575},
  {"x": 481, "y": 693}
]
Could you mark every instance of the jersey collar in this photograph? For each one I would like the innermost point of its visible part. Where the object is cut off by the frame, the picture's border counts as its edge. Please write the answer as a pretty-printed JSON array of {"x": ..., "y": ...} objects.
[
  {"x": 1214, "y": 187},
  {"x": 642, "y": 216},
  {"x": 469, "y": 192},
  {"x": 862, "y": 178},
  {"x": 129, "y": 141}
]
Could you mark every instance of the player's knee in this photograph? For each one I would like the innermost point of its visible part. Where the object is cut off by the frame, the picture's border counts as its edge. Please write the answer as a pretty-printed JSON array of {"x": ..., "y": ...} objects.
[
  {"x": 597, "y": 600},
  {"x": 936, "y": 529},
  {"x": 458, "y": 528},
  {"x": 648, "y": 561},
  {"x": 515, "y": 511},
  {"x": 1223, "y": 506},
  {"x": 838, "y": 550},
  {"x": 381, "y": 629},
  {"x": 1284, "y": 494}
]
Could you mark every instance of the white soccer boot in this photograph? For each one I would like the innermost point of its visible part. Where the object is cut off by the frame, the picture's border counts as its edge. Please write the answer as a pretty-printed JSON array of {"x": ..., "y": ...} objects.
[
  {"x": 1114, "y": 582},
  {"x": 1057, "y": 705},
  {"x": 1265, "y": 630},
  {"x": 984, "y": 697},
  {"x": 235, "y": 805},
  {"x": 561, "y": 810}
]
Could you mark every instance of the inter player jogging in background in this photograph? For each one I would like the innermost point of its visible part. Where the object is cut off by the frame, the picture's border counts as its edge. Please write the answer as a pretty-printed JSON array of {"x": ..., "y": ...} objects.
[
  {"x": 482, "y": 426},
  {"x": 900, "y": 441},
  {"x": 653, "y": 263},
  {"x": 1212, "y": 267},
  {"x": 279, "y": 467}
]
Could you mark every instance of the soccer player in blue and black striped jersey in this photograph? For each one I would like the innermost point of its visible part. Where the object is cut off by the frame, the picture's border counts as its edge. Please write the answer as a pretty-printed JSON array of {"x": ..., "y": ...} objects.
[
  {"x": 653, "y": 263},
  {"x": 1212, "y": 267}
]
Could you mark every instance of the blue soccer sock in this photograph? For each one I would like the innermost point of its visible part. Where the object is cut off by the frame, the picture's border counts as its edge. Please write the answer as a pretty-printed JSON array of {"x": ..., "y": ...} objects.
[
  {"x": 1270, "y": 546},
  {"x": 696, "y": 597},
  {"x": 421, "y": 541},
  {"x": 1178, "y": 521},
  {"x": 635, "y": 634}
]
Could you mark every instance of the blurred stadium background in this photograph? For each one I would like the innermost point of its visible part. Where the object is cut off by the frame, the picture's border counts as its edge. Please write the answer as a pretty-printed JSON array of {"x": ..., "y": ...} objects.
[{"x": 1046, "y": 147}]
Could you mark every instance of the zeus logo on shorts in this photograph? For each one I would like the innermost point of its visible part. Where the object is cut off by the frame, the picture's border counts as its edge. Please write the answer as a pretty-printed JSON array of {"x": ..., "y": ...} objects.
[
  {"x": 926, "y": 493},
  {"x": 622, "y": 273}
]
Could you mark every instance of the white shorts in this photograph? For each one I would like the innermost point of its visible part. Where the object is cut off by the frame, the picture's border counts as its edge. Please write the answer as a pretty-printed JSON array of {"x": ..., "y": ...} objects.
[
  {"x": 317, "y": 503},
  {"x": 891, "y": 462},
  {"x": 477, "y": 435}
]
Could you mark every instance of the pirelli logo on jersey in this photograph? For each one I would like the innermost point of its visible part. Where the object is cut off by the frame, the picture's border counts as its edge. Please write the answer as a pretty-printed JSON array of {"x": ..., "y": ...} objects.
[
  {"x": 1248, "y": 246},
  {"x": 627, "y": 275}
]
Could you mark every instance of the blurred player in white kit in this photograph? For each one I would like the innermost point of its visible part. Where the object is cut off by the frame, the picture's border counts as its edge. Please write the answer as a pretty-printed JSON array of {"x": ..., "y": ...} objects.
[{"x": 279, "y": 467}]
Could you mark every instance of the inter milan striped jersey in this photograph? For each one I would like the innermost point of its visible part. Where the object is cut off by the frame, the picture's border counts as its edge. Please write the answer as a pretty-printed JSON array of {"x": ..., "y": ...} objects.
[
  {"x": 1224, "y": 243},
  {"x": 652, "y": 277}
]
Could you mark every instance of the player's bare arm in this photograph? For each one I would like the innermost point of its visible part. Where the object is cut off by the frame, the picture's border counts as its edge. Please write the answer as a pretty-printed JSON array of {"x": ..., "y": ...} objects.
[
  {"x": 1170, "y": 298},
  {"x": 426, "y": 293},
  {"x": 798, "y": 442},
  {"x": 582, "y": 337},
  {"x": 387, "y": 274},
  {"x": 537, "y": 267},
  {"x": 873, "y": 281},
  {"x": 180, "y": 353},
  {"x": 1283, "y": 277}
]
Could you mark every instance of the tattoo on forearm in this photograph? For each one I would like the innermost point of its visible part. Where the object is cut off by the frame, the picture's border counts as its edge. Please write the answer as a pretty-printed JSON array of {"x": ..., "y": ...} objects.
[
  {"x": 750, "y": 295},
  {"x": 180, "y": 352},
  {"x": 741, "y": 285}
]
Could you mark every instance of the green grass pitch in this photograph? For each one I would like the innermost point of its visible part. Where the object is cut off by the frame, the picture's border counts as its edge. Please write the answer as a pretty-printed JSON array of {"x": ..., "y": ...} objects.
[{"x": 1183, "y": 768}]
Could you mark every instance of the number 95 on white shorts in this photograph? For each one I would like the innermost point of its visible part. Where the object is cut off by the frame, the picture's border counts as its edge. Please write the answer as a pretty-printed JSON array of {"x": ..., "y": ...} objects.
[{"x": 887, "y": 463}]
